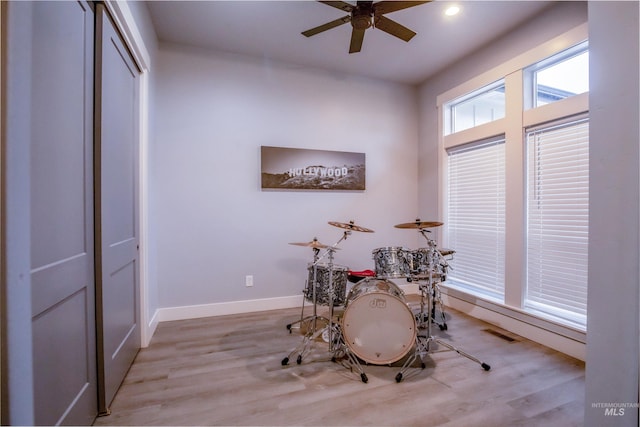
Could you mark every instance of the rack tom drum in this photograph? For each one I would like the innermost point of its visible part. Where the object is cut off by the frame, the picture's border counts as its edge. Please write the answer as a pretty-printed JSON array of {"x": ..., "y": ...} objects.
[{"x": 392, "y": 262}]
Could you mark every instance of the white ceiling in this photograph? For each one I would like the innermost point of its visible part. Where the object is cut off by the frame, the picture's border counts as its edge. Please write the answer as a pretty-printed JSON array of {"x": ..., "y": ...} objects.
[{"x": 270, "y": 30}]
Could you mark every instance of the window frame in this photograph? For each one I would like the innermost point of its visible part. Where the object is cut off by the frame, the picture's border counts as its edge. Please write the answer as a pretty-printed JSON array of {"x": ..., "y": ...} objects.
[
  {"x": 516, "y": 74},
  {"x": 450, "y": 116},
  {"x": 530, "y": 82}
]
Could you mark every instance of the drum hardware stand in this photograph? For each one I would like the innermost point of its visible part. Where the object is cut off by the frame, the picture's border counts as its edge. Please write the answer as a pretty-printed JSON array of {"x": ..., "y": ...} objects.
[
  {"x": 314, "y": 332},
  {"x": 337, "y": 345},
  {"x": 431, "y": 286},
  {"x": 314, "y": 317},
  {"x": 423, "y": 347},
  {"x": 343, "y": 351},
  {"x": 422, "y": 317}
]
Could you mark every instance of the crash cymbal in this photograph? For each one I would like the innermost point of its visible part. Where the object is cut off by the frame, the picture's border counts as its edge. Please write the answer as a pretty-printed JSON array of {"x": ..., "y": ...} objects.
[
  {"x": 312, "y": 244},
  {"x": 350, "y": 226},
  {"x": 419, "y": 224}
]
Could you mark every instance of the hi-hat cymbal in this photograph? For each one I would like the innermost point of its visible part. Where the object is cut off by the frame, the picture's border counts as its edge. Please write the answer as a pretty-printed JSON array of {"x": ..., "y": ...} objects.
[
  {"x": 312, "y": 244},
  {"x": 350, "y": 226},
  {"x": 419, "y": 224}
]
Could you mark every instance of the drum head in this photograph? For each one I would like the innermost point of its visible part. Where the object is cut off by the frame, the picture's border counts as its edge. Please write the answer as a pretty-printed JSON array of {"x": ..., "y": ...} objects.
[{"x": 378, "y": 327}]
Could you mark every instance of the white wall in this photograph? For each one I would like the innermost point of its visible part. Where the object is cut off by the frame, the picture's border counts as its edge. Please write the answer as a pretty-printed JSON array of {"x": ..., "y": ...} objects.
[{"x": 211, "y": 221}]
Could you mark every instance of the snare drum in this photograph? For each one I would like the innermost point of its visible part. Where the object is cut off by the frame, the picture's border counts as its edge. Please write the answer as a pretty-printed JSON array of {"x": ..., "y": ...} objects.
[
  {"x": 340, "y": 274},
  {"x": 378, "y": 326},
  {"x": 392, "y": 262}
]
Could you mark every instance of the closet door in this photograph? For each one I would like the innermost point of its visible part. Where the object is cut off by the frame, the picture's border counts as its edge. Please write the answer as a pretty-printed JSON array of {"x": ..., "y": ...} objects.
[
  {"x": 117, "y": 287},
  {"x": 61, "y": 201}
]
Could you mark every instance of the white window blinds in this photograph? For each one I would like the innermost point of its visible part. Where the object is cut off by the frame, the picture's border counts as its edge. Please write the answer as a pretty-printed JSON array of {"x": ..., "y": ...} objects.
[
  {"x": 476, "y": 216},
  {"x": 558, "y": 219}
]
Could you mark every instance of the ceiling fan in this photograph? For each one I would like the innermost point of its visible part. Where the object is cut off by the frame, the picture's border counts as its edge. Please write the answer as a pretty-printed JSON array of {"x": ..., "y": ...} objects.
[{"x": 367, "y": 14}]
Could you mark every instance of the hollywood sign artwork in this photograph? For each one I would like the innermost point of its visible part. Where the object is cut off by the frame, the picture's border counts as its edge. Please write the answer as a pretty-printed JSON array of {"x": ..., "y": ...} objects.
[{"x": 319, "y": 171}]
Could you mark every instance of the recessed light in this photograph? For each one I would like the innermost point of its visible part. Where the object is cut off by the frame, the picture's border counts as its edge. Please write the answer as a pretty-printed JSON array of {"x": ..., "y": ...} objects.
[{"x": 452, "y": 10}]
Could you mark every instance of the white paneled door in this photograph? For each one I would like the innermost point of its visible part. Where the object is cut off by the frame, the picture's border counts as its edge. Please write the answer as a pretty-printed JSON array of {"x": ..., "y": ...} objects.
[
  {"x": 116, "y": 136},
  {"x": 60, "y": 78}
]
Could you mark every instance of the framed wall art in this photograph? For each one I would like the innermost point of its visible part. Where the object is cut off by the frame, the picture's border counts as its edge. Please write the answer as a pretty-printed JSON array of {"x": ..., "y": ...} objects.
[{"x": 305, "y": 169}]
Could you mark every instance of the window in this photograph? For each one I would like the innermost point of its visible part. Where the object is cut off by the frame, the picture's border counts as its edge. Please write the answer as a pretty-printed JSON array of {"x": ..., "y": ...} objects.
[
  {"x": 515, "y": 192},
  {"x": 477, "y": 108},
  {"x": 475, "y": 216},
  {"x": 558, "y": 219},
  {"x": 561, "y": 76}
]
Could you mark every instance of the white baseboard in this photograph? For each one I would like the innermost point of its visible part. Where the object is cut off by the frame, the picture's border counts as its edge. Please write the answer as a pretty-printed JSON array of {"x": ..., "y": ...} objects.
[
  {"x": 572, "y": 346},
  {"x": 225, "y": 308},
  {"x": 151, "y": 329},
  {"x": 237, "y": 307}
]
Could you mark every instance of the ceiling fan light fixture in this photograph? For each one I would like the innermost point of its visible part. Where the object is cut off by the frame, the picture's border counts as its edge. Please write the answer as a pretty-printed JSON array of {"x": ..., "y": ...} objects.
[{"x": 362, "y": 22}]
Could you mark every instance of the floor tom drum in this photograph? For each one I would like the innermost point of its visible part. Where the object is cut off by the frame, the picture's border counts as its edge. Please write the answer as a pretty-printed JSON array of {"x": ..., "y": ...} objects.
[{"x": 322, "y": 275}]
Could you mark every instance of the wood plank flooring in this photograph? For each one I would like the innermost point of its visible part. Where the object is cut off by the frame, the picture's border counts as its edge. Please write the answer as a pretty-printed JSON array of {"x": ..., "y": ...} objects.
[{"x": 227, "y": 371}]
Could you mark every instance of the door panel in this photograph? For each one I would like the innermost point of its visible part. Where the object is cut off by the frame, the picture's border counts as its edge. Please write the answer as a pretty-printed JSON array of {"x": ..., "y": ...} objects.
[
  {"x": 116, "y": 208},
  {"x": 61, "y": 337},
  {"x": 61, "y": 191}
]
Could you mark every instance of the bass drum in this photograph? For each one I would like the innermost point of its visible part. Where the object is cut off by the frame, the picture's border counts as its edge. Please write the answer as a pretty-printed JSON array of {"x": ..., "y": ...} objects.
[{"x": 377, "y": 325}]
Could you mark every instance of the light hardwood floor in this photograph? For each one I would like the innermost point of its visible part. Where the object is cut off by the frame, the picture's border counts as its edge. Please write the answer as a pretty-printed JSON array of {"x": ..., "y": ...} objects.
[{"x": 227, "y": 371}]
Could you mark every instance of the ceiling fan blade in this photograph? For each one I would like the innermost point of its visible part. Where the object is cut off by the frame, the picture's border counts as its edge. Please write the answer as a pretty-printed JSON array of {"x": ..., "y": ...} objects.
[
  {"x": 387, "y": 6},
  {"x": 327, "y": 26},
  {"x": 357, "y": 36},
  {"x": 339, "y": 5},
  {"x": 392, "y": 27}
]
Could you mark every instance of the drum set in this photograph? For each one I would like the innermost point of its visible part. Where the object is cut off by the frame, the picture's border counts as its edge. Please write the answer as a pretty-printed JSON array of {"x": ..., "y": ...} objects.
[{"x": 376, "y": 325}]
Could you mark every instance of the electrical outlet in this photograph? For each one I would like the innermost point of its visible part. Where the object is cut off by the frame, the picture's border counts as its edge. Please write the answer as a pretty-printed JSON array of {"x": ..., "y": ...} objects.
[{"x": 248, "y": 281}]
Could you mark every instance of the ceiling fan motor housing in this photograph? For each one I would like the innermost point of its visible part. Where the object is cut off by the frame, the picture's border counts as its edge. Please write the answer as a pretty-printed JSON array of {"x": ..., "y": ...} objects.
[{"x": 362, "y": 17}]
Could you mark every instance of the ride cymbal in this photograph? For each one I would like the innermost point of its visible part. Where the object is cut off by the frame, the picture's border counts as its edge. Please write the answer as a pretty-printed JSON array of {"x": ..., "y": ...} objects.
[
  {"x": 350, "y": 226},
  {"x": 419, "y": 224}
]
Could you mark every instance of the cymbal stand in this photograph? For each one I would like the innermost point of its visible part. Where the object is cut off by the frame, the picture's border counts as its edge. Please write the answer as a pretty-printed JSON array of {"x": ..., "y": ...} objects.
[
  {"x": 305, "y": 346},
  {"x": 422, "y": 348},
  {"x": 341, "y": 351},
  {"x": 313, "y": 318},
  {"x": 337, "y": 346},
  {"x": 331, "y": 250},
  {"x": 428, "y": 290}
]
